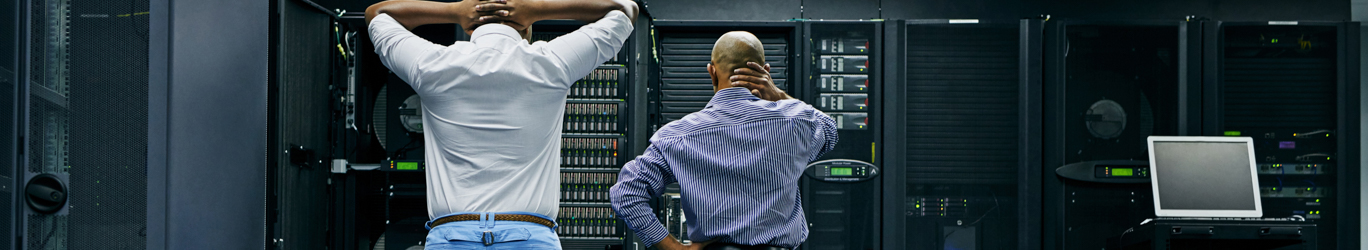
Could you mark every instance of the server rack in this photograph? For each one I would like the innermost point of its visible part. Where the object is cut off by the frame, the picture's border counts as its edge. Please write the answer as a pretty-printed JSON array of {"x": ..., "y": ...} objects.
[
  {"x": 10, "y": 106},
  {"x": 1293, "y": 86},
  {"x": 597, "y": 140},
  {"x": 1108, "y": 85},
  {"x": 843, "y": 76},
  {"x": 684, "y": 49},
  {"x": 964, "y": 102},
  {"x": 80, "y": 94}
]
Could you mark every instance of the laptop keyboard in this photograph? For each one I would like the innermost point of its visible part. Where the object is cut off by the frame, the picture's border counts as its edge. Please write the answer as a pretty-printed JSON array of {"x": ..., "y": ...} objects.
[{"x": 1230, "y": 219}]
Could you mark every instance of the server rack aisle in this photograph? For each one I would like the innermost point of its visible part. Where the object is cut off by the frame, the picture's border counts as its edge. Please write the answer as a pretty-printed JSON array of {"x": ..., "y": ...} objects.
[
  {"x": 1108, "y": 85},
  {"x": 963, "y": 101},
  {"x": 1292, "y": 86}
]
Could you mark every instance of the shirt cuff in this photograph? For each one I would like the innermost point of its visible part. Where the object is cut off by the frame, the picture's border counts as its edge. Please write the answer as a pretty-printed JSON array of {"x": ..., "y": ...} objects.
[
  {"x": 615, "y": 21},
  {"x": 652, "y": 234}
]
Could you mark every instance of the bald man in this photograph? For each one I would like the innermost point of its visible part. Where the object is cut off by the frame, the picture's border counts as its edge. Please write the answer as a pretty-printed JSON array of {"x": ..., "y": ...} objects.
[{"x": 737, "y": 161}]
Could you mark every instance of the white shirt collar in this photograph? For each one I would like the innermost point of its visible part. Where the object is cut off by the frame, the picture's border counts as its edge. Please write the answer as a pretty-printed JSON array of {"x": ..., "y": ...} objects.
[{"x": 495, "y": 29}]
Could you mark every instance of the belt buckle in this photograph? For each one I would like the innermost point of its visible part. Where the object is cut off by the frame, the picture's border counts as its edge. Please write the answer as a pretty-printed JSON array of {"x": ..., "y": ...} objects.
[{"x": 487, "y": 238}]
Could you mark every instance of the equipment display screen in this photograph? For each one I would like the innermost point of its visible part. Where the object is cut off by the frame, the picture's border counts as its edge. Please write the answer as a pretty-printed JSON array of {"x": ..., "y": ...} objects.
[
  {"x": 1122, "y": 172},
  {"x": 840, "y": 172},
  {"x": 406, "y": 166}
]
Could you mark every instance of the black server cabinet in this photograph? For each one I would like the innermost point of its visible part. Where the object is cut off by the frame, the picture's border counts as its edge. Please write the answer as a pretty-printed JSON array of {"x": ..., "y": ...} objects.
[
  {"x": 82, "y": 86},
  {"x": 684, "y": 48},
  {"x": 597, "y": 140},
  {"x": 1294, "y": 87},
  {"x": 679, "y": 84},
  {"x": 87, "y": 87},
  {"x": 841, "y": 192},
  {"x": 9, "y": 109},
  {"x": 1109, "y": 85},
  {"x": 963, "y": 105}
]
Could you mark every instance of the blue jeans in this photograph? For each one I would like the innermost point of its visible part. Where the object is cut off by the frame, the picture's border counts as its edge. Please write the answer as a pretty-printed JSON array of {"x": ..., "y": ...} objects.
[{"x": 487, "y": 233}]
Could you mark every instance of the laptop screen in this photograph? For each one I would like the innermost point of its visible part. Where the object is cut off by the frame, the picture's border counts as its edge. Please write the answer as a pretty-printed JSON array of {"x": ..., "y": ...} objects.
[{"x": 1204, "y": 176}]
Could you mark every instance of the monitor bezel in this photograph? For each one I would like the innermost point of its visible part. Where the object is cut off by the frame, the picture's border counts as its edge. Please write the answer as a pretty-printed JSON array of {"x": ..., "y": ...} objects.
[{"x": 1159, "y": 211}]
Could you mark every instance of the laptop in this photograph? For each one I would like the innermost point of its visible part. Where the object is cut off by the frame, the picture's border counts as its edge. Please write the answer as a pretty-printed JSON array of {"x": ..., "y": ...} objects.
[{"x": 1204, "y": 178}]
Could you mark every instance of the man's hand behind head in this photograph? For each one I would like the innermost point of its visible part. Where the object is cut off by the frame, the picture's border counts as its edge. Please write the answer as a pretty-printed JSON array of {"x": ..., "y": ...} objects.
[
  {"x": 756, "y": 77},
  {"x": 473, "y": 13}
]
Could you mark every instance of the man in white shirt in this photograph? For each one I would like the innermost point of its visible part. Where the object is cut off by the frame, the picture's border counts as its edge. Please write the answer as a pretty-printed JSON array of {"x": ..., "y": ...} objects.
[{"x": 492, "y": 108}]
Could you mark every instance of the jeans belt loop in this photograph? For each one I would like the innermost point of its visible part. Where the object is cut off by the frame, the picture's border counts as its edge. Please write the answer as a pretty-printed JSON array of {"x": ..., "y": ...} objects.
[{"x": 487, "y": 238}]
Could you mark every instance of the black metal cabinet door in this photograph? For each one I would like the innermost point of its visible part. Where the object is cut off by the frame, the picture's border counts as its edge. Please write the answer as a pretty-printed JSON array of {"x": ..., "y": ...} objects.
[
  {"x": 1293, "y": 86},
  {"x": 83, "y": 164},
  {"x": 963, "y": 112}
]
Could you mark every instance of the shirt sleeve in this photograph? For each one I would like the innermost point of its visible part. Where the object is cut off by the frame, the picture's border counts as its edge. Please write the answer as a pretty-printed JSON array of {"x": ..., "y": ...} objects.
[
  {"x": 586, "y": 48},
  {"x": 399, "y": 49},
  {"x": 639, "y": 181},
  {"x": 825, "y": 133}
]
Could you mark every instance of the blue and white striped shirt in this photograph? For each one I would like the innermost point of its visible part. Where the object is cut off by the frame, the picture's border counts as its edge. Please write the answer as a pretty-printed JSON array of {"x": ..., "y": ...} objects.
[{"x": 737, "y": 162}]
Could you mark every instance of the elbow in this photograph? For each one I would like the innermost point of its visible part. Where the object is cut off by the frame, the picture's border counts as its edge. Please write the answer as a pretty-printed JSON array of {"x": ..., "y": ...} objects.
[
  {"x": 615, "y": 194},
  {"x": 620, "y": 196},
  {"x": 628, "y": 7},
  {"x": 372, "y": 11},
  {"x": 376, "y": 9}
]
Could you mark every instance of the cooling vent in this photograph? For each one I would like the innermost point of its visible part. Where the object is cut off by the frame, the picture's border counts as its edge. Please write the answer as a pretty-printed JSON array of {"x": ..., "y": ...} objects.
[
  {"x": 1276, "y": 86},
  {"x": 962, "y": 104},
  {"x": 684, "y": 83},
  {"x": 1279, "y": 93}
]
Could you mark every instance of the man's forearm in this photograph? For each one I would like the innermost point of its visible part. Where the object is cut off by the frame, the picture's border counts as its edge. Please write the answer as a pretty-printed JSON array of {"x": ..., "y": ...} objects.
[
  {"x": 412, "y": 13},
  {"x": 581, "y": 10}
]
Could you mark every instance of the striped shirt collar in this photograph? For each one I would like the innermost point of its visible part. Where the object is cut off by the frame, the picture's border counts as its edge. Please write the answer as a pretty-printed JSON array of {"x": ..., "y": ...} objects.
[{"x": 732, "y": 94}]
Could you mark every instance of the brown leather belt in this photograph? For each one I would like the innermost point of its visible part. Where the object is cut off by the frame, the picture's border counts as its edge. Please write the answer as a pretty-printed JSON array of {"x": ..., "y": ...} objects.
[{"x": 502, "y": 217}]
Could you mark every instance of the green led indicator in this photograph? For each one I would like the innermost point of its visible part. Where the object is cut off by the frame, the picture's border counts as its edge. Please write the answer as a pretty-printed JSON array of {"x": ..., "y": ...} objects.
[
  {"x": 841, "y": 171},
  {"x": 1232, "y": 133},
  {"x": 1122, "y": 172},
  {"x": 1275, "y": 40},
  {"x": 406, "y": 165}
]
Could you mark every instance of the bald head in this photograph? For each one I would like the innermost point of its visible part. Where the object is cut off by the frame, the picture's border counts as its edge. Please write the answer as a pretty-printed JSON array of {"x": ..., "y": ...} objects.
[{"x": 732, "y": 51}]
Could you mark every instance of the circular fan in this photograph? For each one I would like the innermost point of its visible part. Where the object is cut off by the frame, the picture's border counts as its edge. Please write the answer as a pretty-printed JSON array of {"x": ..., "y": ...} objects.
[
  {"x": 1106, "y": 119},
  {"x": 411, "y": 114},
  {"x": 378, "y": 116}
]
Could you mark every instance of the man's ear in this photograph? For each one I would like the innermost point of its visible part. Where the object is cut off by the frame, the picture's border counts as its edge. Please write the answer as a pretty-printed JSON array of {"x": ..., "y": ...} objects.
[{"x": 712, "y": 73}]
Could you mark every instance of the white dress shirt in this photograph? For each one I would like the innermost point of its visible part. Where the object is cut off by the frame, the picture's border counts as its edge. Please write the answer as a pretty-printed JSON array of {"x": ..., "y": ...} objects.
[{"x": 492, "y": 109}]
